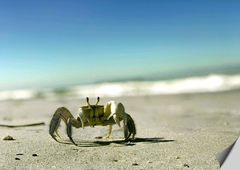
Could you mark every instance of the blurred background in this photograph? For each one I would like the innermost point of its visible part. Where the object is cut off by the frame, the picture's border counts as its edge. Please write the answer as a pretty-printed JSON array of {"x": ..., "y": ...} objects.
[{"x": 117, "y": 48}]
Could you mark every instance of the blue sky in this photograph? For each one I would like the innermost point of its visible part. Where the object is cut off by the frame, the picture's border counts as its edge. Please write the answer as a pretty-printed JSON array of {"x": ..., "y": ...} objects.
[{"x": 58, "y": 43}]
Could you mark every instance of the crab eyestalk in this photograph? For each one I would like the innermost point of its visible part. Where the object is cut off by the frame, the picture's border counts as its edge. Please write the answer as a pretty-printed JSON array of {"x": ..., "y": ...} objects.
[
  {"x": 98, "y": 99},
  {"x": 88, "y": 102}
]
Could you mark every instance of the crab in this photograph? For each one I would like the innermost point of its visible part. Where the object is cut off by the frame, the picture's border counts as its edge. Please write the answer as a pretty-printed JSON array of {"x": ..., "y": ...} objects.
[{"x": 93, "y": 115}]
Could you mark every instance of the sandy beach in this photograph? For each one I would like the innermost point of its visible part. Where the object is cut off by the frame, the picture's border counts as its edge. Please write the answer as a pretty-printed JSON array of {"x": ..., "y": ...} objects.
[
  {"x": 183, "y": 131},
  {"x": 174, "y": 65}
]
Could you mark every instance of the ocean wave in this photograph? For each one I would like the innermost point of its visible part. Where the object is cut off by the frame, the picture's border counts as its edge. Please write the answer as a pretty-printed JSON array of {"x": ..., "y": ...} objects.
[{"x": 210, "y": 83}]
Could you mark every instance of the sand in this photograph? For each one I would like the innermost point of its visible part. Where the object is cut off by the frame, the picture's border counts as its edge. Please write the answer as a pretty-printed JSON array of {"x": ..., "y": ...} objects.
[{"x": 183, "y": 131}]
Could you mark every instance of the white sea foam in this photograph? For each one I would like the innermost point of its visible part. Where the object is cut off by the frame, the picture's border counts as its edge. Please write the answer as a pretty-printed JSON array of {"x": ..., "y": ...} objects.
[
  {"x": 17, "y": 94},
  {"x": 210, "y": 83}
]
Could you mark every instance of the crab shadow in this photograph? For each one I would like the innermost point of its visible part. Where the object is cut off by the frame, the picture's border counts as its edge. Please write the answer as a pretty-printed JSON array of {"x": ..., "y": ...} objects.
[{"x": 117, "y": 143}]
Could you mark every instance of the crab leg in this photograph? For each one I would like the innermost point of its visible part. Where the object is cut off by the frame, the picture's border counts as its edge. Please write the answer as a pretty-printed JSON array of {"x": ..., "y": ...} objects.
[
  {"x": 70, "y": 123},
  {"x": 109, "y": 131},
  {"x": 129, "y": 128},
  {"x": 64, "y": 114}
]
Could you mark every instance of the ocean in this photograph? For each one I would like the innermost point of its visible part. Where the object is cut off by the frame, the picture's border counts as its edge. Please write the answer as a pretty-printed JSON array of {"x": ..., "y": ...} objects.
[{"x": 190, "y": 84}]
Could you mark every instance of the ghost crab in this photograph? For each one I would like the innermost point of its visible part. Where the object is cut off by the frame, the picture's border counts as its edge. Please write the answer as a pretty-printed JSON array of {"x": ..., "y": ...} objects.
[{"x": 93, "y": 115}]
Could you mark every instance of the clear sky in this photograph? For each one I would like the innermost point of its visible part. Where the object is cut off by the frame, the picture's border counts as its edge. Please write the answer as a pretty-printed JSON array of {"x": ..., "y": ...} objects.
[{"x": 47, "y": 43}]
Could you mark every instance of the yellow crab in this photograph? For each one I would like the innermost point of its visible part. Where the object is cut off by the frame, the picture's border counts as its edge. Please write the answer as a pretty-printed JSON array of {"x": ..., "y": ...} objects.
[{"x": 93, "y": 115}]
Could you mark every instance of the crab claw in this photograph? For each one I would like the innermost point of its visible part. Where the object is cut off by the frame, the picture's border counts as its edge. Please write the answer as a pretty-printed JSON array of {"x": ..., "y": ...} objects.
[
  {"x": 83, "y": 118},
  {"x": 115, "y": 117},
  {"x": 129, "y": 128},
  {"x": 81, "y": 111},
  {"x": 117, "y": 111}
]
